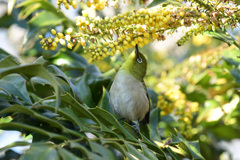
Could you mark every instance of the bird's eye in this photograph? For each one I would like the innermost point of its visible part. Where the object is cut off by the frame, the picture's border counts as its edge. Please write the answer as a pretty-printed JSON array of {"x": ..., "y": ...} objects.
[{"x": 139, "y": 60}]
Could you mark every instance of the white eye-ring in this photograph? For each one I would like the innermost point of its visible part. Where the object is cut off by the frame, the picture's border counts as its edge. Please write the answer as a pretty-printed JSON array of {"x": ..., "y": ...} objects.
[{"x": 139, "y": 60}]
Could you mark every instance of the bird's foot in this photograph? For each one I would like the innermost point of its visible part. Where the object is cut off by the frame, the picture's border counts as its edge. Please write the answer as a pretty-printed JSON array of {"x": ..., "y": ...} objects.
[{"x": 137, "y": 129}]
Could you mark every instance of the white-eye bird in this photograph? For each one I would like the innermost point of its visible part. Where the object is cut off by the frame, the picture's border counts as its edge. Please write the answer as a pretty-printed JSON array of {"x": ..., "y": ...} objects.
[{"x": 128, "y": 94}]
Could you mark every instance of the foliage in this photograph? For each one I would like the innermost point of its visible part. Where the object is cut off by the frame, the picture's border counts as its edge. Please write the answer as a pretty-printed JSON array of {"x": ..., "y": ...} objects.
[
  {"x": 61, "y": 100},
  {"x": 76, "y": 129}
]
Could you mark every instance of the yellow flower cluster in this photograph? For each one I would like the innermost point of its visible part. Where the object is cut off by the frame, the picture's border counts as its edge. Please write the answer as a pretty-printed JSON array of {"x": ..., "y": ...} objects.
[
  {"x": 51, "y": 43},
  {"x": 97, "y": 4},
  {"x": 186, "y": 120},
  {"x": 170, "y": 100},
  {"x": 174, "y": 101},
  {"x": 67, "y": 3},
  {"x": 194, "y": 31},
  {"x": 107, "y": 36}
]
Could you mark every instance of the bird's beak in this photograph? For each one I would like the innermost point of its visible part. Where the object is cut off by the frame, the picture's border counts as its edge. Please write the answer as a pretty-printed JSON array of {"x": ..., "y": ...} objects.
[
  {"x": 139, "y": 59},
  {"x": 136, "y": 51}
]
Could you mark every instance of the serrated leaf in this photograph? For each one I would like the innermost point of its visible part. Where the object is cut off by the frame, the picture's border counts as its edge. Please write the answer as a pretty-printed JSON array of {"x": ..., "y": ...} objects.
[
  {"x": 83, "y": 111},
  {"x": 99, "y": 149},
  {"x": 53, "y": 69},
  {"x": 135, "y": 152},
  {"x": 192, "y": 149},
  {"x": 16, "y": 125},
  {"x": 108, "y": 119},
  {"x": 28, "y": 111},
  {"x": 40, "y": 152},
  {"x": 33, "y": 70},
  {"x": 16, "y": 85},
  {"x": 116, "y": 145},
  {"x": 148, "y": 153},
  {"x": 85, "y": 151},
  {"x": 69, "y": 114}
]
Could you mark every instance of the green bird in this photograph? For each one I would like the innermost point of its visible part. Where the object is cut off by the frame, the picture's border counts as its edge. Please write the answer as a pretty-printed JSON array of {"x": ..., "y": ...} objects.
[{"x": 128, "y": 93}]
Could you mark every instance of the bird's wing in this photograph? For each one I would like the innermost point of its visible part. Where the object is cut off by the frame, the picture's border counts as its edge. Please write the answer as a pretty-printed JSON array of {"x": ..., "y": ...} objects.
[{"x": 147, "y": 116}]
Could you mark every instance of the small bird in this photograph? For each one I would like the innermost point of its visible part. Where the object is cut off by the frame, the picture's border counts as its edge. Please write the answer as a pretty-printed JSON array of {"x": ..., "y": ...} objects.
[{"x": 128, "y": 93}]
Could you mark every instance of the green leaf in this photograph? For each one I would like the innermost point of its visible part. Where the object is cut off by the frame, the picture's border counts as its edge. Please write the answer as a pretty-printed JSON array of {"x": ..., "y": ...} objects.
[
  {"x": 154, "y": 147},
  {"x": 33, "y": 70},
  {"x": 20, "y": 126},
  {"x": 83, "y": 111},
  {"x": 29, "y": 6},
  {"x": 175, "y": 156},
  {"x": 8, "y": 61},
  {"x": 53, "y": 69},
  {"x": 100, "y": 150},
  {"x": 97, "y": 85},
  {"x": 189, "y": 147},
  {"x": 221, "y": 35},
  {"x": 69, "y": 114},
  {"x": 85, "y": 151},
  {"x": 108, "y": 119},
  {"x": 154, "y": 120},
  {"x": 135, "y": 152},
  {"x": 148, "y": 153},
  {"x": 16, "y": 85},
  {"x": 76, "y": 61},
  {"x": 116, "y": 145},
  {"x": 153, "y": 97},
  {"x": 40, "y": 152},
  {"x": 84, "y": 90},
  {"x": 31, "y": 112},
  {"x": 92, "y": 72},
  {"x": 14, "y": 144},
  {"x": 66, "y": 155},
  {"x": 104, "y": 102}
]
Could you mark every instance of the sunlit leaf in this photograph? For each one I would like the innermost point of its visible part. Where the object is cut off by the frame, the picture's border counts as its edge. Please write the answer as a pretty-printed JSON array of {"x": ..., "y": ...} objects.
[{"x": 11, "y": 4}]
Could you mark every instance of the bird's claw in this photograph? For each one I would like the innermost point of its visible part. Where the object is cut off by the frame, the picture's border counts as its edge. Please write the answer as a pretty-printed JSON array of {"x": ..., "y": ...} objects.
[{"x": 137, "y": 130}]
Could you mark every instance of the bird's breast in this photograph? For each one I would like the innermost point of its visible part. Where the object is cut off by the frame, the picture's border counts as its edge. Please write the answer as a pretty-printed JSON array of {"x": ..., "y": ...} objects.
[{"x": 128, "y": 97}]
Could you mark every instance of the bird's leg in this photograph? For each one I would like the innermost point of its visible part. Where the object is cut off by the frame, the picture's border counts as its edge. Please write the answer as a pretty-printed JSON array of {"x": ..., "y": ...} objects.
[
  {"x": 137, "y": 129},
  {"x": 120, "y": 119}
]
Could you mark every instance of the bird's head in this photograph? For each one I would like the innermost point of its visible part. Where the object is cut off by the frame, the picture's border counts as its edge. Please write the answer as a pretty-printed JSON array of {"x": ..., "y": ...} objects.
[{"x": 136, "y": 64}]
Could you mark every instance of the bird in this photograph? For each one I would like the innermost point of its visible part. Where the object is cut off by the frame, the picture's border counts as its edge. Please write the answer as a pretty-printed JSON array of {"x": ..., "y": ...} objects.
[{"x": 128, "y": 94}]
